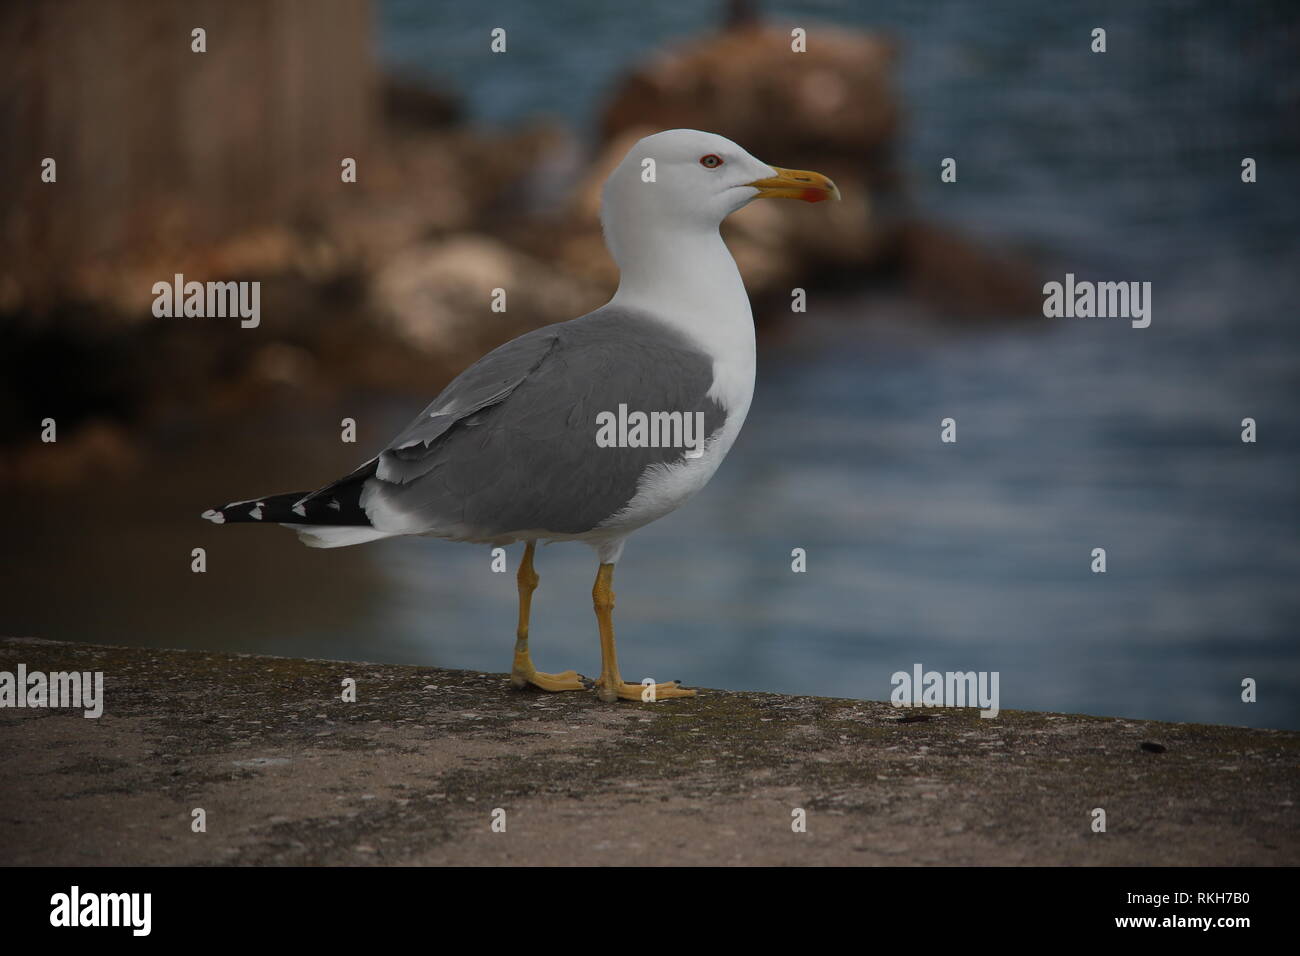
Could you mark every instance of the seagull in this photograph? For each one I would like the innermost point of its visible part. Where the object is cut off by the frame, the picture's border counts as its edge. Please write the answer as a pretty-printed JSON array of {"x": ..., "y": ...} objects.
[{"x": 589, "y": 429}]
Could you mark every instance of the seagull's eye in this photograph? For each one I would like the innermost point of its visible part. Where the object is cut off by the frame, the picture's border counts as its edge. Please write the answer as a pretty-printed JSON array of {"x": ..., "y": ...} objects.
[{"x": 711, "y": 161}]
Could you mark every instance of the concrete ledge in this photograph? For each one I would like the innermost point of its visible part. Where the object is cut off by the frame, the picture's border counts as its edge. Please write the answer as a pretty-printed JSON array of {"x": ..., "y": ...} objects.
[{"x": 410, "y": 774}]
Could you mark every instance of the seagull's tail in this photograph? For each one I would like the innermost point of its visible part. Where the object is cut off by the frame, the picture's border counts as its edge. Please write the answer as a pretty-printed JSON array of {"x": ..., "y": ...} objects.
[
  {"x": 276, "y": 509},
  {"x": 330, "y": 517}
]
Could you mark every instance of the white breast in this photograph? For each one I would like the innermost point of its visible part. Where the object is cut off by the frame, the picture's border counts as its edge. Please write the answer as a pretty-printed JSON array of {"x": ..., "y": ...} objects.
[{"x": 664, "y": 488}]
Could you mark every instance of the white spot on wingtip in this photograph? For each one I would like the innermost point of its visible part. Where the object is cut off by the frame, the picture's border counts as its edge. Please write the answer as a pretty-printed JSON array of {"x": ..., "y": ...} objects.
[
  {"x": 256, "y": 513},
  {"x": 334, "y": 503},
  {"x": 216, "y": 517},
  {"x": 298, "y": 509}
]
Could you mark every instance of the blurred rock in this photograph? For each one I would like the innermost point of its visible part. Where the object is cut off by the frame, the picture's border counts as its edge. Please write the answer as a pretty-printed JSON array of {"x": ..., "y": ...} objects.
[
  {"x": 411, "y": 102},
  {"x": 281, "y": 364},
  {"x": 834, "y": 101},
  {"x": 420, "y": 184},
  {"x": 97, "y": 449},
  {"x": 963, "y": 278},
  {"x": 438, "y": 296}
]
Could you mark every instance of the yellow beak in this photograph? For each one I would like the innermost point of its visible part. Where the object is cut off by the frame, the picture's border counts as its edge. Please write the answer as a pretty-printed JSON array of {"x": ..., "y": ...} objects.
[{"x": 796, "y": 184}]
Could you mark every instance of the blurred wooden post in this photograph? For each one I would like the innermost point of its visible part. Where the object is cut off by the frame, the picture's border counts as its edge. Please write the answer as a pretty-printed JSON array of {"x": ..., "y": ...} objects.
[{"x": 158, "y": 146}]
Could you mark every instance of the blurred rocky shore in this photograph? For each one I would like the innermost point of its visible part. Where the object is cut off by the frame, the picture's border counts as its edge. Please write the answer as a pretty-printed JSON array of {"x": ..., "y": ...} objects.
[{"x": 386, "y": 282}]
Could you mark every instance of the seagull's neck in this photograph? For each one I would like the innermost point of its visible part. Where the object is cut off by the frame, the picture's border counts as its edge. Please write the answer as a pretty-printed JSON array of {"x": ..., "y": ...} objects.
[{"x": 689, "y": 279}]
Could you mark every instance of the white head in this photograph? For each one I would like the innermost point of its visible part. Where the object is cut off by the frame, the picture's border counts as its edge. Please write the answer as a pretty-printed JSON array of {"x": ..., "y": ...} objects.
[{"x": 686, "y": 181}]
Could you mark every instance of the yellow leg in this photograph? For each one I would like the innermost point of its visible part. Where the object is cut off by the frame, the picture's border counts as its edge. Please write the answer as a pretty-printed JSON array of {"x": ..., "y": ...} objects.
[
  {"x": 523, "y": 673},
  {"x": 611, "y": 686}
]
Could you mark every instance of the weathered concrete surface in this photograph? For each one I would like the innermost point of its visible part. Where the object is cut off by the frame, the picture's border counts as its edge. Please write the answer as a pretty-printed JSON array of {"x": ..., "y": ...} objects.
[{"x": 410, "y": 774}]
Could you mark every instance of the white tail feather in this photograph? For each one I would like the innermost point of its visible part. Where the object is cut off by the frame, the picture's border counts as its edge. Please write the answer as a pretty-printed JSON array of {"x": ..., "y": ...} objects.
[{"x": 335, "y": 536}]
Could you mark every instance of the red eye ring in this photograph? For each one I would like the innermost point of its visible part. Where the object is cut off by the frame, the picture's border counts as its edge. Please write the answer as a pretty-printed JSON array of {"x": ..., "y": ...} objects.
[{"x": 711, "y": 161}]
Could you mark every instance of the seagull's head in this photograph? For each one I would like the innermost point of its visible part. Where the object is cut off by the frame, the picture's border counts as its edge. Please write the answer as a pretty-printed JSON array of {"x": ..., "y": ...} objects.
[{"x": 687, "y": 178}]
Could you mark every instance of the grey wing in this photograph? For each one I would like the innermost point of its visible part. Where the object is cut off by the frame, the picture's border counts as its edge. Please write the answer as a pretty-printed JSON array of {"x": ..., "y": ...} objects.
[
  {"x": 524, "y": 457},
  {"x": 487, "y": 382}
]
